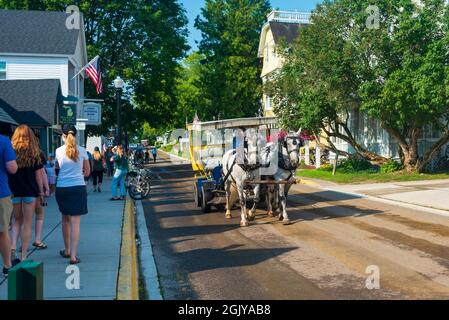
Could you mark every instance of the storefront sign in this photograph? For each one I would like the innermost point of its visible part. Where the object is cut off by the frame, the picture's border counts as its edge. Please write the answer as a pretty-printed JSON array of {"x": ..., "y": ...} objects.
[
  {"x": 92, "y": 112},
  {"x": 67, "y": 114}
]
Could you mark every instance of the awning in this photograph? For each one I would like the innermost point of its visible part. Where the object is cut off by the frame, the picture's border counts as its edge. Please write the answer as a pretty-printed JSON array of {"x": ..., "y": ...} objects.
[
  {"x": 68, "y": 99},
  {"x": 6, "y": 118}
]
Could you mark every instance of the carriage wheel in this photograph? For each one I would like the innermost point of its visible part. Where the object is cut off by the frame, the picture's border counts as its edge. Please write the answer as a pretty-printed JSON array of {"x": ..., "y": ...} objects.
[
  {"x": 205, "y": 198},
  {"x": 197, "y": 195}
]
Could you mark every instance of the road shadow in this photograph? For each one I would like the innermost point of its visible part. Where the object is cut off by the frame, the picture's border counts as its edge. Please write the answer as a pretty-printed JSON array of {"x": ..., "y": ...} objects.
[{"x": 233, "y": 256}]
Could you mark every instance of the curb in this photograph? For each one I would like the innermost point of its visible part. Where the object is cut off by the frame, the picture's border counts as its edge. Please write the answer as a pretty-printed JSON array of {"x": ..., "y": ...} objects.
[
  {"x": 147, "y": 262},
  {"x": 436, "y": 211},
  {"x": 128, "y": 279}
]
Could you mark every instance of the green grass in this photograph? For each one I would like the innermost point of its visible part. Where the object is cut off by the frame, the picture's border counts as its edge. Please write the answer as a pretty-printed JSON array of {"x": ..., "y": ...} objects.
[
  {"x": 169, "y": 149},
  {"x": 369, "y": 177}
]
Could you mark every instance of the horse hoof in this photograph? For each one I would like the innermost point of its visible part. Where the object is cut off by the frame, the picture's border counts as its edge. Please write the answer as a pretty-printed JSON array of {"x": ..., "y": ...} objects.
[
  {"x": 229, "y": 216},
  {"x": 270, "y": 214},
  {"x": 287, "y": 222},
  {"x": 244, "y": 224},
  {"x": 251, "y": 218}
]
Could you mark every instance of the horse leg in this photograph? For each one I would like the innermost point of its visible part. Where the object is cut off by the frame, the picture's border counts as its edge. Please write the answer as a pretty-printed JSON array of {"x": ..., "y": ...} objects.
[
  {"x": 228, "y": 189},
  {"x": 283, "y": 200},
  {"x": 242, "y": 197},
  {"x": 252, "y": 212},
  {"x": 270, "y": 202}
]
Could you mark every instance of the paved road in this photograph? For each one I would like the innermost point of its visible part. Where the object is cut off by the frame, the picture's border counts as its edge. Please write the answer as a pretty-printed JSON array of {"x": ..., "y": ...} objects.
[{"x": 323, "y": 255}]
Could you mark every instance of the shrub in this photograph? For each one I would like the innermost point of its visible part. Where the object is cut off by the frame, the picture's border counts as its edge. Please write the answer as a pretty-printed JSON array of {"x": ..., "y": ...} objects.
[
  {"x": 354, "y": 164},
  {"x": 391, "y": 166}
]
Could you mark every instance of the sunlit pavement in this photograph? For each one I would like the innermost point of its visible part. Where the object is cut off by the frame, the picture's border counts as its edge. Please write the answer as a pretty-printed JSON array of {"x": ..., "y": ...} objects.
[
  {"x": 337, "y": 244},
  {"x": 99, "y": 251}
]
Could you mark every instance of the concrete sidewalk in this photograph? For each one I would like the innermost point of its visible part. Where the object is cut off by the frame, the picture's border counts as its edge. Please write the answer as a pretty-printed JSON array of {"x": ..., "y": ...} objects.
[
  {"x": 429, "y": 194},
  {"x": 99, "y": 251}
]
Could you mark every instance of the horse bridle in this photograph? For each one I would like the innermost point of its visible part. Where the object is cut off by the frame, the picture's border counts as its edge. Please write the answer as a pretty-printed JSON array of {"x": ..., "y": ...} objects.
[{"x": 285, "y": 144}]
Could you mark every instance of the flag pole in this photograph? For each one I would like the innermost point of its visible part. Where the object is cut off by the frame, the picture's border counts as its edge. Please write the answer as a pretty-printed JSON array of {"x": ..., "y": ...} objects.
[{"x": 89, "y": 64}]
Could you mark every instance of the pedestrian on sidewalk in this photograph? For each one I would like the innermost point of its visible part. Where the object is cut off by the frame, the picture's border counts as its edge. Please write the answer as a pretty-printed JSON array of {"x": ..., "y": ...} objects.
[
  {"x": 8, "y": 165},
  {"x": 27, "y": 187},
  {"x": 40, "y": 209},
  {"x": 91, "y": 164},
  {"x": 121, "y": 170},
  {"x": 72, "y": 166},
  {"x": 98, "y": 169},
  {"x": 154, "y": 151},
  {"x": 109, "y": 162},
  {"x": 51, "y": 174}
]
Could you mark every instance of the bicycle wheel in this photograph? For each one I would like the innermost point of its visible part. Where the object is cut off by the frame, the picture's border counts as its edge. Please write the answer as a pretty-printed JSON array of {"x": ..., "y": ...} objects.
[{"x": 140, "y": 191}]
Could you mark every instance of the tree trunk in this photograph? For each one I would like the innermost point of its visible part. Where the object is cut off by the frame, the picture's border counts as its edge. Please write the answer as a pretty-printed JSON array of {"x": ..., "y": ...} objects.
[
  {"x": 348, "y": 137},
  {"x": 432, "y": 152},
  {"x": 410, "y": 150}
]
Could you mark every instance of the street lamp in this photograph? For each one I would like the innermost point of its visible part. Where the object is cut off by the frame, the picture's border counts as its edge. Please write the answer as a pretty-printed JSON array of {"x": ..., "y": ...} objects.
[{"x": 119, "y": 84}]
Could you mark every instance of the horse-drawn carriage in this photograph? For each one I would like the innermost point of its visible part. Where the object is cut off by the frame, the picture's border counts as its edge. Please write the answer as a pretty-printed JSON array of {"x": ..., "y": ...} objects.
[{"x": 213, "y": 143}]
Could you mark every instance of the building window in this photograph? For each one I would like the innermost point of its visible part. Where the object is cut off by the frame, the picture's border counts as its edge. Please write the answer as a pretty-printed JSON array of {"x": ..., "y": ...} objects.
[
  {"x": 2, "y": 70},
  {"x": 267, "y": 53},
  {"x": 268, "y": 104}
]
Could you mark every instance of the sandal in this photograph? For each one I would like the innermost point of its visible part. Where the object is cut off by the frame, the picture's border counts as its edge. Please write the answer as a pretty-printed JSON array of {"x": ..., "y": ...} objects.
[
  {"x": 75, "y": 262},
  {"x": 40, "y": 246},
  {"x": 63, "y": 254},
  {"x": 115, "y": 199}
]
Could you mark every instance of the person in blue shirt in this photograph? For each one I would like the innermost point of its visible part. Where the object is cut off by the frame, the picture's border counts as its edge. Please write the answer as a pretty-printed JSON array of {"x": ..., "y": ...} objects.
[
  {"x": 8, "y": 164},
  {"x": 154, "y": 152}
]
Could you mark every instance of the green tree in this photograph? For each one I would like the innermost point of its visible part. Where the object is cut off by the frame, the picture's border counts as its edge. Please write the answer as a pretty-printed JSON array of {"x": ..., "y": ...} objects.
[
  {"x": 397, "y": 73},
  {"x": 230, "y": 77},
  {"x": 189, "y": 94}
]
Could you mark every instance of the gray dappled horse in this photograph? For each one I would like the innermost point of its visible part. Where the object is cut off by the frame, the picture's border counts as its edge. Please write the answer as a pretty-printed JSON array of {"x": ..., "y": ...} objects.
[
  {"x": 288, "y": 162},
  {"x": 280, "y": 160}
]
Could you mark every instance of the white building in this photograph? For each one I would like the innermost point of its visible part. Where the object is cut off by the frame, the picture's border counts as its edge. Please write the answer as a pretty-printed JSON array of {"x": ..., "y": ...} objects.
[{"x": 38, "y": 45}]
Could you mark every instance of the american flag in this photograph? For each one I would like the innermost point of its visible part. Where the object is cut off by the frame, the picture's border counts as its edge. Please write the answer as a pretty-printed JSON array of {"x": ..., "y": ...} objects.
[{"x": 94, "y": 72}]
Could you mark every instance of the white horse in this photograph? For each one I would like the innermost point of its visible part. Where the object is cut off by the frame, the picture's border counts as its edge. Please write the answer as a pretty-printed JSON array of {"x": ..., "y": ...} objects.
[
  {"x": 285, "y": 158},
  {"x": 288, "y": 161},
  {"x": 236, "y": 175}
]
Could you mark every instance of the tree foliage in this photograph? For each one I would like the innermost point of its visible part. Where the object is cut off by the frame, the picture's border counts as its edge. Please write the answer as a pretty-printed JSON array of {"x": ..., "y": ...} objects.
[
  {"x": 230, "y": 77},
  {"x": 140, "y": 40},
  {"x": 397, "y": 73}
]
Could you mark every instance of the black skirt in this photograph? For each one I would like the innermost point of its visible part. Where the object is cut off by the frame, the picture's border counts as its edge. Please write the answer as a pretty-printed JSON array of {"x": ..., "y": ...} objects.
[{"x": 72, "y": 201}]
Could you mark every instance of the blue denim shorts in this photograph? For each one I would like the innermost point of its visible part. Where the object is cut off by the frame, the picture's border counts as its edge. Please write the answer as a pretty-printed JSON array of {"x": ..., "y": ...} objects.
[{"x": 26, "y": 200}]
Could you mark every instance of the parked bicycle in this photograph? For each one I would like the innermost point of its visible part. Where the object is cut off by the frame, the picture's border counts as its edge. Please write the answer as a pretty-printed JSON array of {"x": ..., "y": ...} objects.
[{"x": 138, "y": 182}]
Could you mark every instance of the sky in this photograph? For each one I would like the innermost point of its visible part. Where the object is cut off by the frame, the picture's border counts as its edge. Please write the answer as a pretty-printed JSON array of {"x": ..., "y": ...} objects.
[{"x": 193, "y": 8}]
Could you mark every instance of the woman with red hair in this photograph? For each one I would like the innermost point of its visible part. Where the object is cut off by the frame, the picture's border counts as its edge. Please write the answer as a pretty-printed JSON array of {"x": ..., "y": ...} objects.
[{"x": 26, "y": 186}]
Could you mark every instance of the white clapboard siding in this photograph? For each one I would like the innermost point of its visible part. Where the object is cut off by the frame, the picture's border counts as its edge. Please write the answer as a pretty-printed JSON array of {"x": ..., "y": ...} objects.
[{"x": 30, "y": 68}]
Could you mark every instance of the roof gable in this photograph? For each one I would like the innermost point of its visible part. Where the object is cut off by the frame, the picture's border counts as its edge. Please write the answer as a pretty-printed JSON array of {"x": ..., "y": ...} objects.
[
  {"x": 30, "y": 102},
  {"x": 36, "y": 32}
]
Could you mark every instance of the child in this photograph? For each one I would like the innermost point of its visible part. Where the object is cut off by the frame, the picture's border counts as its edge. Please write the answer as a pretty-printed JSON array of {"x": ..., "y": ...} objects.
[{"x": 51, "y": 174}]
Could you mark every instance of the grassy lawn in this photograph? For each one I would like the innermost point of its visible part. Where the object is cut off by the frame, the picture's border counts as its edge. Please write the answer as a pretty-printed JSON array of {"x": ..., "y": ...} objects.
[
  {"x": 368, "y": 177},
  {"x": 169, "y": 149}
]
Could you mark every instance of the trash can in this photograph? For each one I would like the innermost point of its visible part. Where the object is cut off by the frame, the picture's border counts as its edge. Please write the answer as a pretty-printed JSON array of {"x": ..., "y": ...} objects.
[{"x": 26, "y": 281}]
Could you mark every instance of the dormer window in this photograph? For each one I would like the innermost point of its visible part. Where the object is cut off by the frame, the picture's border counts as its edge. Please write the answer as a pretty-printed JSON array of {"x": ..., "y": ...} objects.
[{"x": 2, "y": 70}]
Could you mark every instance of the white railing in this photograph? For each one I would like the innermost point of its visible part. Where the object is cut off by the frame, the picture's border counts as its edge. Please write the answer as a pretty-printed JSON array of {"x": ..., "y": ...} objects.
[{"x": 289, "y": 17}]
